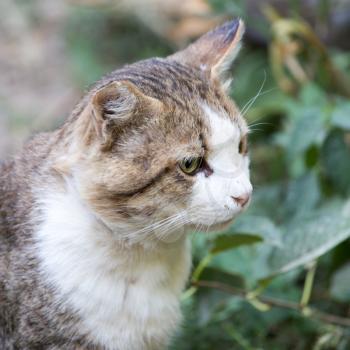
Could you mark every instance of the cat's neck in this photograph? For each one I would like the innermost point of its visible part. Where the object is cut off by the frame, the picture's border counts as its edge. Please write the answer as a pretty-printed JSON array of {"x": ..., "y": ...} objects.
[
  {"x": 111, "y": 284},
  {"x": 64, "y": 211}
]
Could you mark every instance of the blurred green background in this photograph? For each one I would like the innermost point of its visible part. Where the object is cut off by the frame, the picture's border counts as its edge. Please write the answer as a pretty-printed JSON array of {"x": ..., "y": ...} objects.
[{"x": 279, "y": 278}]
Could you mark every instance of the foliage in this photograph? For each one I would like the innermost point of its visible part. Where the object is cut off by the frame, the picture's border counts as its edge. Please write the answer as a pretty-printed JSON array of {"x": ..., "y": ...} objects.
[{"x": 301, "y": 164}]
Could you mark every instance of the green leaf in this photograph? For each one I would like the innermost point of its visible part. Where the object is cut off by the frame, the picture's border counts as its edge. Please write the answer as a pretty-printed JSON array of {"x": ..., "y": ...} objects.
[
  {"x": 340, "y": 286},
  {"x": 264, "y": 207},
  {"x": 335, "y": 161},
  {"x": 259, "y": 226},
  {"x": 341, "y": 116},
  {"x": 311, "y": 94},
  {"x": 313, "y": 236},
  {"x": 250, "y": 260},
  {"x": 312, "y": 156},
  {"x": 217, "y": 275},
  {"x": 226, "y": 242},
  {"x": 302, "y": 195},
  {"x": 306, "y": 131}
]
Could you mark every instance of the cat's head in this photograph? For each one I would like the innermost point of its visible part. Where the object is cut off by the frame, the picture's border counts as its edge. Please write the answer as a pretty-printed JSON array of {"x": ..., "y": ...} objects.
[{"x": 161, "y": 143}]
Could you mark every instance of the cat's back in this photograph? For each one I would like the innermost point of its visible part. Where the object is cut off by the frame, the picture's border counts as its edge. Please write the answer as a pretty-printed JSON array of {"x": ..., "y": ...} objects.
[
  {"x": 8, "y": 203},
  {"x": 19, "y": 178},
  {"x": 17, "y": 262},
  {"x": 9, "y": 193},
  {"x": 15, "y": 201}
]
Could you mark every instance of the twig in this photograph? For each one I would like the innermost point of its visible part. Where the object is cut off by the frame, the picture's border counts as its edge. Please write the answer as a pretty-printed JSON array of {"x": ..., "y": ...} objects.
[{"x": 273, "y": 302}]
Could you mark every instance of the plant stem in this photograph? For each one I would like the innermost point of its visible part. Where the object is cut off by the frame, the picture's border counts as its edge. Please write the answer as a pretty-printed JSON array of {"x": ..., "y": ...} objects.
[
  {"x": 309, "y": 281},
  {"x": 273, "y": 302}
]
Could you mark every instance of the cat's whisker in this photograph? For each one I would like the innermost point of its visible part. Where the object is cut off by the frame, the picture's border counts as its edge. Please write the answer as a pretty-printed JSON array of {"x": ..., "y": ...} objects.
[
  {"x": 260, "y": 123},
  {"x": 186, "y": 220},
  {"x": 197, "y": 227},
  {"x": 164, "y": 224},
  {"x": 254, "y": 130},
  {"x": 252, "y": 127},
  {"x": 166, "y": 232},
  {"x": 252, "y": 101},
  {"x": 162, "y": 227},
  {"x": 246, "y": 107}
]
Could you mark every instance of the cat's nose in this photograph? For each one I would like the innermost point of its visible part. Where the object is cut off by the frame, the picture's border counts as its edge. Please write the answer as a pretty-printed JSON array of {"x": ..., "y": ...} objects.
[{"x": 242, "y": 200}]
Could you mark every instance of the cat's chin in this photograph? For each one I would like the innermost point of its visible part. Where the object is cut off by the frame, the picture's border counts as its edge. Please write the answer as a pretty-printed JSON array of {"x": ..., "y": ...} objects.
[{"x": 220, "y": 226}]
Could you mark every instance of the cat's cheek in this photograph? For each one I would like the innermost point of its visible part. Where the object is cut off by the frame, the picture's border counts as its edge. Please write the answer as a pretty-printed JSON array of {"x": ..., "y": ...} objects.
[{"x": 212, "y": 199}]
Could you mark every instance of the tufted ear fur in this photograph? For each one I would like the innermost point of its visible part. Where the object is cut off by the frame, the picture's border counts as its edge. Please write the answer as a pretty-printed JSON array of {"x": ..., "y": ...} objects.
[
  {"x": 112, "y": 108},
  {"x": 215, "y": 51}
]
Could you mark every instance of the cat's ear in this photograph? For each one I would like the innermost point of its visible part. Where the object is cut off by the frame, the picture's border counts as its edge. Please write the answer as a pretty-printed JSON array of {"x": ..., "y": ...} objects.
[
  {"x": 215, "y": 51},
  {"x": 113, "y": 107}
]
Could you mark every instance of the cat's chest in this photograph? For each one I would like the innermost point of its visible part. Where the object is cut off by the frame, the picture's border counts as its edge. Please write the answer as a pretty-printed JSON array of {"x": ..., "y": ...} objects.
[
  {"x": 124, "y": 299},
  {"x": 133, "y": 308}
]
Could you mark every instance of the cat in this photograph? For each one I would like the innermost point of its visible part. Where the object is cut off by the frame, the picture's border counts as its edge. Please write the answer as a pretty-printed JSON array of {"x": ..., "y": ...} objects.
[{"x": 94, "y": 216}]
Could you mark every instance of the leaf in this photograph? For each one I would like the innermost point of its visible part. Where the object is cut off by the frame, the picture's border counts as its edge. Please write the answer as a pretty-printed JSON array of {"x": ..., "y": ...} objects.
[
  {"x": 335, "y": 160},
  {"x": 341, "y": 116},
  {"x": 217, "y": 275},
  {"x": 340, "y": 286},
  {"x": 311, "y": 94},
  {"x": 312, "y": 156},
  {"x": 226, "y": 242},
  {"x": 264, "y": 209},
  {"x": 313, "y": 236},
  {"x": 257, "y": 225},
  {"x": 250, "y": 260},
  {"x": 302, "y": 195},
  {"x": 306, "y": 131}
]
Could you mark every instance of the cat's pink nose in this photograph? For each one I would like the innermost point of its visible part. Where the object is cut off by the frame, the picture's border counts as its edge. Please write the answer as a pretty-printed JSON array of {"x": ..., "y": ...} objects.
[{"x": 242, "y": 200}]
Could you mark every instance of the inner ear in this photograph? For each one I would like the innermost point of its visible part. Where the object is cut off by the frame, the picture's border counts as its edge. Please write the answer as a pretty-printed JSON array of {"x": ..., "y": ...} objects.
[
  {"x": 231, "y": 46},
  {"x": 115, "y": 102},
  {"x": 112, "y": 107}
]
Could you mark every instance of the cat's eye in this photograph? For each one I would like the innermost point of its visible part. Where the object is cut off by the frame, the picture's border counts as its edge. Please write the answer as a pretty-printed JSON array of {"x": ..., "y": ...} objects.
[
  {"x": 243, "y": 145},
  {"x": 191, "y": 165}
]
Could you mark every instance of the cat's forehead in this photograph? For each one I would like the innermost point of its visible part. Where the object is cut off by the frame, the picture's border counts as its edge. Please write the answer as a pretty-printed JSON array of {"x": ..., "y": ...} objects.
[
  {"x": 197, "y": 105},
  {"x": 181, "y": 87},
  {"x": 167, "y": 80}
]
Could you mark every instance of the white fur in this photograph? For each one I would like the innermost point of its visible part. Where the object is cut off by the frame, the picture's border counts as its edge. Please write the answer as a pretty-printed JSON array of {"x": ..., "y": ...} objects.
[
  {"x": 127, "y": 297},
  {"x": 212, "y": 195}
]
